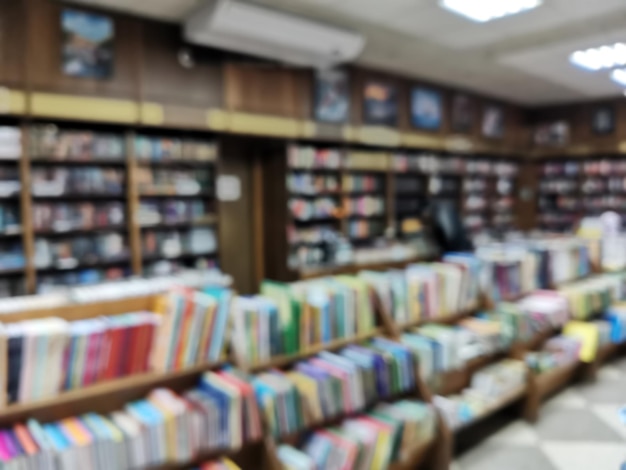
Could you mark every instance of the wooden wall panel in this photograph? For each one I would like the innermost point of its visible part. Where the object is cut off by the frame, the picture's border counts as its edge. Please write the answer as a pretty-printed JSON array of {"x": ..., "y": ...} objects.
[
  {"x": 12, "y": 43},
  {"x": 164, "y": 80},
  {"x": 266, "y": 89},
  {"x": 236, "y": 224},
  {"x": 44, "y": 54}
]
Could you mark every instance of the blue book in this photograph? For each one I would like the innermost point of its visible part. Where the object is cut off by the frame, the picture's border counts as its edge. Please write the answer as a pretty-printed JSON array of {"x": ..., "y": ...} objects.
[
  {"x": 222, "y": 399},
  {"x": 223, "y": 297}
]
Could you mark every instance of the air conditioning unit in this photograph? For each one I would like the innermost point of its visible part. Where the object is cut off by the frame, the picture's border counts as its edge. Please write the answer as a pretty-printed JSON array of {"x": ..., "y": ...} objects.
[{"x": 251, "y": 29}]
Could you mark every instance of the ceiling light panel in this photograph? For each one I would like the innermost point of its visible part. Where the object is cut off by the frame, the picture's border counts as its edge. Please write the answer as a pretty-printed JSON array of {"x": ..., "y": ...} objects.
[
  {"x": 482, "y": 11},
  {"x": 619, "y": 76},
  {"x": 598, "y": 58}
]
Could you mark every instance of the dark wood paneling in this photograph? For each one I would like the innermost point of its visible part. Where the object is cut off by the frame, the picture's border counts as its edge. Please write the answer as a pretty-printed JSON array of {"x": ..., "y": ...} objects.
[
  {"x": 266, "y": 89},
  {"x": 12, "y": 43},
  {"x": 44, "y": 54},
  {"x": 165, "y": 80},
  {"x": 236, "y": 224}
]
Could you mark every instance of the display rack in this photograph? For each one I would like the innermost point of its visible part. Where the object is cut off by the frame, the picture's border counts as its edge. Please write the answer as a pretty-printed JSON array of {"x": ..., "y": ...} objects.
[
  {"x": 369, "y": 198},
  {"x": 81, "y": 199}
]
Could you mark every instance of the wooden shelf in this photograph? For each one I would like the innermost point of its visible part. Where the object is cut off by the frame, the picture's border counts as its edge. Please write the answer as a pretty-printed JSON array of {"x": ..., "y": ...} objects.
[
  {"x": 57, "y": 162},
  {"x": 414, "y": 458},
  {"x": 181, "y": 257},
  {"x": 507, "y": 400},
  {"x": 81, "y": 231},
  {"x": 176, "y": 163},
  {"x": 135, "y": 385},
  {"x": 449, "y": 320},
  {"x": 551, "y": 381},
  {"x": 12, "y": 272},
  {"x": 168, "y": 194},
  {"x": 180, "y": 225},
  {"x": 80, "y": 197},
  {"x": 98, "y": 264}
]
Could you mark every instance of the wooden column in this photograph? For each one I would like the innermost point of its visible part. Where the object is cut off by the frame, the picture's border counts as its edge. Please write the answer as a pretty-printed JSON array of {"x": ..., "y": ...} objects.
[
  {"x": 26, "y": 214},
  {"x": 132, "y": 194}
]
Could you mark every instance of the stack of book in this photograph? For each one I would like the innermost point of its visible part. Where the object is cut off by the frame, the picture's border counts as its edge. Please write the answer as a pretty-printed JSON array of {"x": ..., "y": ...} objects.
[
  {"x": 84, "y": 181},
  {"x": 364, "y": 206},
  {"x": 72, "y": 355},
  {"x": 62, "y": 217},
  {"x": 427, "y": 291},
  {"x": 81, "y": 251},
  {"x": 510, "y": 271},
  {"x": 10, "y": 143},
  {"x": 193, "y": 328},
  {"x": 175, "y": 243},
  {"x": 163, "y": 149},
  {"x": 370, "y": 441},
  {"x": 331, "y": 385},
  {"x": 50, "y": 142},
  {"x": 443, "y": 348},
  {"x": 311, "y": 209},
  {"x": 594, "y": 295},
  {"x": 556, "y": 353},
  {"x": 362, "y": 183},
  {"x": 312, "y": 184},
  {"x": 10, "y": 183},
  {"x": 82, "y": 277},
  {"x": 164, "y": 428},
  {"x": 290, "y": 318},
  {"x": 173, "y": 211},
  {"x": 310, "y": 158},
  {"x": 489, "y": 388},
  {"x": 178, "y": 182}
]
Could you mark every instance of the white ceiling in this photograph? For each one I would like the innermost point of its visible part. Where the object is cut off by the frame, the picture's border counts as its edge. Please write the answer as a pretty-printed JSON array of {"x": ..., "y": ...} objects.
[{"x": 523, "y": 58}]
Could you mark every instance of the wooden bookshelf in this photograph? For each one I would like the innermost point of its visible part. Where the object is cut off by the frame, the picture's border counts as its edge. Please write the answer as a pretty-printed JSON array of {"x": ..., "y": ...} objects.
[{"x": 35, "y": 159}]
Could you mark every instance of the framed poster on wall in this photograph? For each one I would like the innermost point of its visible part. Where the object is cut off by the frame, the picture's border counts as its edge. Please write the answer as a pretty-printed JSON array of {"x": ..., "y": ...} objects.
[
  {"x": 426, "y": 109},
  {"x": 603, "y": 119},
  {"x": 493, "y": 121},
  {"x": 380, "y": 103},
  {"x": 462, "y": 114},
  {"x": 87, "y": 44},
  {"x": 332, "y": 96}
]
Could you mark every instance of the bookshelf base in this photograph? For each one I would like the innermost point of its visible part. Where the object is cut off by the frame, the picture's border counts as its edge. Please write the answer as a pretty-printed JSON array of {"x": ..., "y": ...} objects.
[{"x": 546, "y": 384}]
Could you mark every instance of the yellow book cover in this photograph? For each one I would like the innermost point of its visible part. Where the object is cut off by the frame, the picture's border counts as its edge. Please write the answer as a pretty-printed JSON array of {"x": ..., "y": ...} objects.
[
  {"x": 75, "y": 430},
  {"x": 307, "y": 387},
  {"x": 206, "y": 336},
  {"x": 230, "y": 465},
  {"x": 170, "y": 427},
  {"x": 589, "y": 335},
  {"x": 305, "y": 327},
  {"x": 365, "y": 313}
]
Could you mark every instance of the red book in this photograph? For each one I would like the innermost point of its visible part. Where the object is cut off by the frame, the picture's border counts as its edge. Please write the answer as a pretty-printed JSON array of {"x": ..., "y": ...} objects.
[
  {"x": 350, "y": 448},
  {"x": 252, "y": 418},
  {"x": 117, "y": 352},
  {"x": 105, "y": 354},
  {"x": 140, "y": 352},
  {"x": 151, "y": 329},
  {"x": 131, "y": 342},
  {"x": 183, "y": 336}
]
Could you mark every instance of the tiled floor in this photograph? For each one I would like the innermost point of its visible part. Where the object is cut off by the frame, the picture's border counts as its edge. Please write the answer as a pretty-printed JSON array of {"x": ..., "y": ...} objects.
[{"x": 578, "y": 429}]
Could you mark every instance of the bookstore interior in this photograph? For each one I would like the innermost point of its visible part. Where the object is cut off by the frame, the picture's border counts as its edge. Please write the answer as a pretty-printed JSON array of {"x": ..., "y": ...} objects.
[{"x": 313, "y": 235}]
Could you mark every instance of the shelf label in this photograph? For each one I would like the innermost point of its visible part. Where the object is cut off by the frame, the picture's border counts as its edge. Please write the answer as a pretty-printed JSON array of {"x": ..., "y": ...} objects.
[{"x": 228, "y": 188}]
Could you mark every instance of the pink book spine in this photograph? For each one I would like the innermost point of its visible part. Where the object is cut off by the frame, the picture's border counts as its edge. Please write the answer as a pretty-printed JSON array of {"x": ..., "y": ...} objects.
[
  {"x": 5, "y": 455},
  {"x": 91, "y": 359}
]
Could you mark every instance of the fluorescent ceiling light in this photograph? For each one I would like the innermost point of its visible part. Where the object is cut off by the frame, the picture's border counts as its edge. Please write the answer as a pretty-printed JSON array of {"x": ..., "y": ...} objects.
[
  {"x": 487, "y": 10},
  {"x": 619, "y": 76},
  {"x": 597, "y": 58}
]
